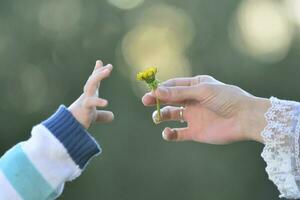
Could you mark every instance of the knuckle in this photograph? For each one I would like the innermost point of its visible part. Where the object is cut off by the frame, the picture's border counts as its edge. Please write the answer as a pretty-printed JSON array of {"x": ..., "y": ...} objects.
[
  {"x": 204, "y": 78},
  {"x": 180, "y": 137},
  {"x": 98, "y": 71},
  {"x": 166, "y": 92},
  {"x": 99, "y": 77},
  {"x": 169, "y": 82},
  {"x": 93, "y": 80},
  {"x": 207, "y": 88},
  {"x": 167, "y": 112},
  {"x": 195, "y": 80},
  {"x": 173, "y": 92}
]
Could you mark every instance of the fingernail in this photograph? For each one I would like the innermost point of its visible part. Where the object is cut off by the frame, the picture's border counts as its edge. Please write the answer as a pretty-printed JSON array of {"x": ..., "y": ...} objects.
[
  {"x": 164, "y": 136},
  {"x": 105, "y": 102},
  {"x": 155, "y": 117},
  {"x": 109, "y": 65}
]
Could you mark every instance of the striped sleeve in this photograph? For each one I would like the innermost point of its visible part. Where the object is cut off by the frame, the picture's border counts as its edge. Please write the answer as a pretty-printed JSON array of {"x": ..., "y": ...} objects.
[{"x": 37, "y": 169}]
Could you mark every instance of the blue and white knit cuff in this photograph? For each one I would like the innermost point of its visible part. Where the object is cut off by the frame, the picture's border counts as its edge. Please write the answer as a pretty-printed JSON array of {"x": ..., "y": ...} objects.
[{"x": 80, "y": 145}]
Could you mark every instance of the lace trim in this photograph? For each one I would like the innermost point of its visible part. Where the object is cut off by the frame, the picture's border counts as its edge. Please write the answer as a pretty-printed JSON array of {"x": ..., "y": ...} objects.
[{"x": 281, "y": 151}]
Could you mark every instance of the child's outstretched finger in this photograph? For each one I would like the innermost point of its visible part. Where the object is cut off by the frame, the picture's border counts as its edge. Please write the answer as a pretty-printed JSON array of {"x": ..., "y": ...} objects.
[
  {"x": 99, "y": 75},
  {"x": 91, "y": 102},
  {"x": 104, "y": 116},
  {"x": 93, "y": 82},
  {"x": 98, "y": 65}
]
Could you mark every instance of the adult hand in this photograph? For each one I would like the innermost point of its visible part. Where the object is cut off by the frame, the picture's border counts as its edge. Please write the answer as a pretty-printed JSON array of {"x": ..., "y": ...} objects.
[{"x": 215, "y": 112}]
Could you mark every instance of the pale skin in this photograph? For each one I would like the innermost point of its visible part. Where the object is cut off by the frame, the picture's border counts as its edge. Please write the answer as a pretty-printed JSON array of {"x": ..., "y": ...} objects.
[
  {"x": 215, "y": 112},
  {"x": 85, "y": 108}
]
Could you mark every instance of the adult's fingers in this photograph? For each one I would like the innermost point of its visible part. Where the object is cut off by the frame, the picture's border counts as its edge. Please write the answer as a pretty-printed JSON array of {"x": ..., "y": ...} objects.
[
  {"x": 177, "y": 134},
  {"x": 188, "y": 81},
  {"x": 149, "y": 99},
  {"x": 94, "y": 80},
  {"x": 168, "y": 113},
  {"x": 182, "y": 81},
  {"x": 175, "y": 86},
  {"x": 178, "y": 94},
  {"x": 104, "y": 116}
]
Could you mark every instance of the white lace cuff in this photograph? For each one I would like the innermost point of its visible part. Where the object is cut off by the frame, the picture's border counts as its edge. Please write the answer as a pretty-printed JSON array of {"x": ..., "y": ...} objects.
[{"x": 281, "y": 151}]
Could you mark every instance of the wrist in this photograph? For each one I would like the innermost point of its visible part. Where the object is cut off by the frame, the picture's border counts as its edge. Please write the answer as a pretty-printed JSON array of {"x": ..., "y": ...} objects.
[
  {"x": 80, "y": 114},
  {"x": 77, "y": 114},
  {"x": 255, "y": 118},
  {"x": 80, "y": 145}
]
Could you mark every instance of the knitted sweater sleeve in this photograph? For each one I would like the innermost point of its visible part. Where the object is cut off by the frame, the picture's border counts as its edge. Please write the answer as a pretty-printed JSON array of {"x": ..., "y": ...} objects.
[{"x": 58, "y": 151}]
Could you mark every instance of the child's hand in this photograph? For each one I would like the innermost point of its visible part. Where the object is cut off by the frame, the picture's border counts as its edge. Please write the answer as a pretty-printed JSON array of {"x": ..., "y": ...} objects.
[{"x": 84, "y": 109}]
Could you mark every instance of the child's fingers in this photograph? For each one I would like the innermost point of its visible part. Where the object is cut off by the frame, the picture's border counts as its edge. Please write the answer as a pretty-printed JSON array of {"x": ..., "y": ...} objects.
[
  {"x": 104, "y": 116},
  {"x": 92, "y": 102},
  {"x": 94, "y": 80},
  {"x": 98, "y": 65}
]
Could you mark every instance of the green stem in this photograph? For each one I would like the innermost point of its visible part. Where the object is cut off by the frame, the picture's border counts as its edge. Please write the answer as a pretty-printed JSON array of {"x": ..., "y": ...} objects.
[{"x": 158, "y": 108}]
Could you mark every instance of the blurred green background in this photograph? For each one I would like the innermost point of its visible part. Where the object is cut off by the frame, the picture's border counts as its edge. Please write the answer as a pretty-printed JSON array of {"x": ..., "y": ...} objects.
[{"x": 48, "y": 49}]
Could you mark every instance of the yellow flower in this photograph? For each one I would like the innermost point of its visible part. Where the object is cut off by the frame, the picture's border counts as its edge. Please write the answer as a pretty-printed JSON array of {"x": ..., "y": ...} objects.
[
  {"x": 148, "y": 75},
  {"x": 145, "y": 76},
  {"x": 139, "y": 76},
  {"x": 153, "y": 69}
]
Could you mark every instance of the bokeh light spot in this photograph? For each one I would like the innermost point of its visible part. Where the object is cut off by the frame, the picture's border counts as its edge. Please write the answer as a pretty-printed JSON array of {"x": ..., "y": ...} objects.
[
  {"x": 60, "y": 16},
  {"x": 34, "y": 88},
  {"x": 262, "y": 30},
  {"x": 160, "y": 38},
  {"x": 293, "y": 8},
  {"x": 125, "y": 4}
]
